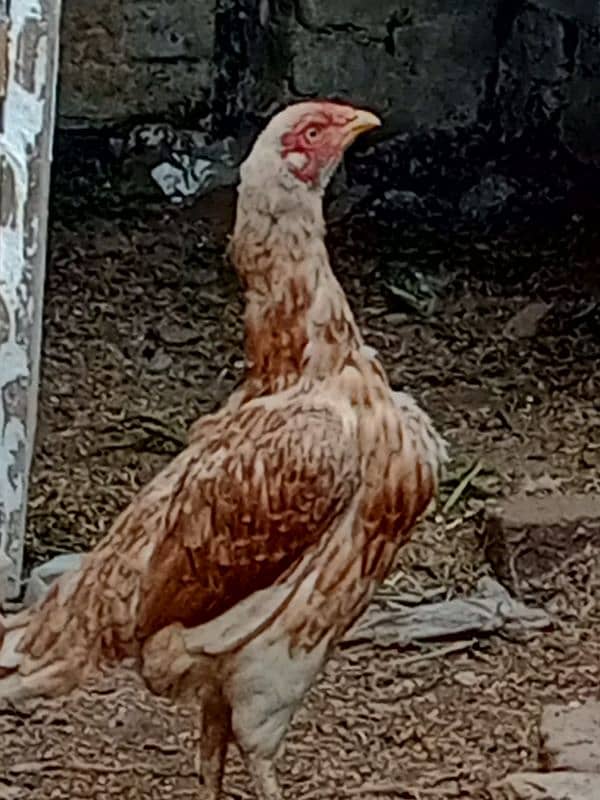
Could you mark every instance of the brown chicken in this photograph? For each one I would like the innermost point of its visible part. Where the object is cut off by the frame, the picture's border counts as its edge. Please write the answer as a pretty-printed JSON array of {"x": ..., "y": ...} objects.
[{"x": 231, "y": 575}]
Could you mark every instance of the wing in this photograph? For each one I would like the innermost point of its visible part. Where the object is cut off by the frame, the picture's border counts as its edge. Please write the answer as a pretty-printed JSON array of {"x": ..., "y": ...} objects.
[
  {"x": 231, "y": 515},
  {"x": 237, "y": 510}
]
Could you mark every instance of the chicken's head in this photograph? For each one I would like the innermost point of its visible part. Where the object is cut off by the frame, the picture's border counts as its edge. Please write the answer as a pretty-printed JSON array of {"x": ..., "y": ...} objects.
[{"x": 303, "y": 144}]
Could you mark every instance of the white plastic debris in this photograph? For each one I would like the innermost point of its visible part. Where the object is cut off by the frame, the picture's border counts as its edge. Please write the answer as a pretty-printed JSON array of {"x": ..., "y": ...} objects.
[
  {"x": 182, "y": 163},
  {"x": 6, "y": 569},
  {"x": 186, "y": 180},
  {"x": 43, "y": 577},
  {"x": 491, "y": 609}
]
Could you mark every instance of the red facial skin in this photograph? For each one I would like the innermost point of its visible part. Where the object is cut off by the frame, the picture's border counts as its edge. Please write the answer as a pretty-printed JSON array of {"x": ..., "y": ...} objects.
[{"x": 320, "y": 136}]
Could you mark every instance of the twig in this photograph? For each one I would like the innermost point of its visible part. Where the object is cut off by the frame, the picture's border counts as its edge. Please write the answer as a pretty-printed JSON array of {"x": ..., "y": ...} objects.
[
  {"x": 462, "y": 486},
  {"x": 455, "y": 647}
]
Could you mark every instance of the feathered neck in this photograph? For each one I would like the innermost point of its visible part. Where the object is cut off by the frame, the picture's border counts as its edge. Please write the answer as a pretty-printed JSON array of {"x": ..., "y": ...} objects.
[{"x": 297, "y": 320}]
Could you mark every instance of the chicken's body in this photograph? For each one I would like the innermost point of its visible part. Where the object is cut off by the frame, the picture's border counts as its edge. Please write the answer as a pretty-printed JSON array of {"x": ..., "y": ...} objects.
[{"x": 234, "y": 571}]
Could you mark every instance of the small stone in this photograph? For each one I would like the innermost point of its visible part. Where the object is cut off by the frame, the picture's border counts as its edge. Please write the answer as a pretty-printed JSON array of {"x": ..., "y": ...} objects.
[
  {"x": 10, "y": 792},
  {"x": 525, "y": 323},
  {"x": 174, "y": 334},
  {"x": 160, "y": 361},
  {"x": 466, "y": 678}
]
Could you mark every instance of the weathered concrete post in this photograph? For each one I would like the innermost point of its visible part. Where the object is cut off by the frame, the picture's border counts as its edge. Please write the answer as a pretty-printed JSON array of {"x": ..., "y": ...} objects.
[{"x": 28, "y": 66}]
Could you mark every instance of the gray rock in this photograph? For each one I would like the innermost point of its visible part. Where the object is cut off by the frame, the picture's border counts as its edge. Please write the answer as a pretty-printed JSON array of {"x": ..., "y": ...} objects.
[
  {"x": 551, "y": 786},
  {"x": 586, "y": 12},
  {"x": 571, "y": 737},
  {"x": 525, "y": 323},
  {"x": 534, "y": 69},
  {"x": 528, "y": 537}
]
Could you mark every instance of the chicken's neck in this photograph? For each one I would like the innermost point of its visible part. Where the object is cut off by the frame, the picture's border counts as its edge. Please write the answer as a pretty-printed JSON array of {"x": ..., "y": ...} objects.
[{"x": 297, "y": 321}]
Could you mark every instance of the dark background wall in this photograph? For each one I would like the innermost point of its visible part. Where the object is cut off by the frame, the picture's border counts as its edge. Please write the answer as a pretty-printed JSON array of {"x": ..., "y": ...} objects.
[{"x": 425, "y": 64}]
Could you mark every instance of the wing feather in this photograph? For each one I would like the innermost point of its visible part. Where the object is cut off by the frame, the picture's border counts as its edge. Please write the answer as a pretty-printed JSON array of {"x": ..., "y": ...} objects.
[{"x": 242, "y": 517}]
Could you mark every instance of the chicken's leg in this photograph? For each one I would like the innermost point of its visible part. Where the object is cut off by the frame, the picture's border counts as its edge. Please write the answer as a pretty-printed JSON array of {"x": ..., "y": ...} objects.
[
  {"x": 215, "y": 735},
  {"x": 264, "y": 777}
]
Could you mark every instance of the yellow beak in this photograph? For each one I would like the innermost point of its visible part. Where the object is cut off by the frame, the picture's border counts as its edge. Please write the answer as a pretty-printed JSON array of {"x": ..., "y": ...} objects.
[{"x": 362, "y": 122}]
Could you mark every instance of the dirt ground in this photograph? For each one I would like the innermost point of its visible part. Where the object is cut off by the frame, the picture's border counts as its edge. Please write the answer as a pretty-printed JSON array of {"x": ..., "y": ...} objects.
[{"x": 143, "y": 334}]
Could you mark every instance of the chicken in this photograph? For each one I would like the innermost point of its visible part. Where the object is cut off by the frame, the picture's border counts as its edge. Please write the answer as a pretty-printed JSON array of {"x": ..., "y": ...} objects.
[{"x": 232, "y": 574}]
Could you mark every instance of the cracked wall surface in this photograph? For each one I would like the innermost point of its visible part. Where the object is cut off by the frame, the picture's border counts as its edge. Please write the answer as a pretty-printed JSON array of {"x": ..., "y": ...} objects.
[
  {"x": 126, "y": 58},
  {"x": 422, "y": 63}
]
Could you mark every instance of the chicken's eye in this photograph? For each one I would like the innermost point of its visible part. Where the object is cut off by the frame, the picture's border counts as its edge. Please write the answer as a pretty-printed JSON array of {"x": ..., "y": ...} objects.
[{"x": 311, "y": 134}]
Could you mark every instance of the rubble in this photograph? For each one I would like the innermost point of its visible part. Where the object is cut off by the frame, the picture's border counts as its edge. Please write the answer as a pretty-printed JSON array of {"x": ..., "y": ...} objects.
[
  {"x": 570, "y": 737},
  {"x": 528, "y": 538}
]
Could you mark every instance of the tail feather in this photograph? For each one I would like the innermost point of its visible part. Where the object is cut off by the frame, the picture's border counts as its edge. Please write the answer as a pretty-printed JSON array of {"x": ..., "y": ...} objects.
[
  {"x": 30, "y": 669},
  {"x": 12, "y": 631},
  {"x": 57, "y": 644}
]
